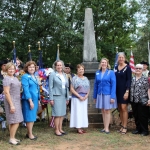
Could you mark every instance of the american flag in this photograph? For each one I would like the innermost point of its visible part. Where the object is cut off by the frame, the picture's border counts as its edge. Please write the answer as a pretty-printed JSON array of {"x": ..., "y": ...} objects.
[
  {"x": 131, "y": 64},
  {"x": 14, "y": 61},
  {"x": 14, "y": 55},
  {"x": 40, "y": 60}
]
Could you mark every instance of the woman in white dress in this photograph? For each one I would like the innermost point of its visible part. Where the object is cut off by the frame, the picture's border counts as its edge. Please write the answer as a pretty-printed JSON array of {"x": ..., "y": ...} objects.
[{"x": 80, "y": 89}]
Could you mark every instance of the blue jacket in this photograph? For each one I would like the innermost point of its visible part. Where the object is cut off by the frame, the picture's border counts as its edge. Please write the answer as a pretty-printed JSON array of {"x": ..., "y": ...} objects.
[
  {"x": 106, "y": 85},
  {"x": 30, "y": 88},
  {"x": 55, "y": 85}
]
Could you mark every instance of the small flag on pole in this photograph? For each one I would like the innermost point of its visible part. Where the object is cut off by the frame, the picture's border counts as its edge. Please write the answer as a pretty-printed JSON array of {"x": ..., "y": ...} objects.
[
  {"x": 57, "y": 56},
  {"x": 116, "y": 60},
  {"x": 29, "y": 53},
  {"x": 14, "y": 53},
  {"x": 40, "y": 56},
  {"x": 14, "y": 59},
  {"x": 131, "y": 64}
]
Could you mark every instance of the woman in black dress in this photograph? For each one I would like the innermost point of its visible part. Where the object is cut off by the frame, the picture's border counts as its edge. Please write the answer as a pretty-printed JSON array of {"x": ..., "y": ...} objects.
[{"x": 123, "y": 79}]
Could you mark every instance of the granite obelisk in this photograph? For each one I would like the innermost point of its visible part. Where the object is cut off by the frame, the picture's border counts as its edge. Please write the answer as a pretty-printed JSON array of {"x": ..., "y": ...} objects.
[
  {"x": 91, "y": 65},
  {"x": 89, "y": 50}
]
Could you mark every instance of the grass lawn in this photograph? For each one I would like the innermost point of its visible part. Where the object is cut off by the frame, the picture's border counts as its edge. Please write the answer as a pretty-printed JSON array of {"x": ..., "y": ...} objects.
[{"x": 92, "y": 140}]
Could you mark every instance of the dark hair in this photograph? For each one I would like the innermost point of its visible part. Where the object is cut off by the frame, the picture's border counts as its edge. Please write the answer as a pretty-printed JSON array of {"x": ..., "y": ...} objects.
[
  {"x": 78, "y": 66},
  {"x": 29, "y": 63}
]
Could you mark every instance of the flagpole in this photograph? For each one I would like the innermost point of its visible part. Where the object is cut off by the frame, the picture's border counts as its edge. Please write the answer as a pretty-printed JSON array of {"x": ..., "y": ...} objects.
[
  {"x": 14, "y": 53},
  {"x": 131, "y": 63},
  {"x": 40, "y": 56},
  {"x": 14, "y": 44},
  {"x": 148, "y": 53},
  {"x": 29, "y": 52},
  {"x": 117, "y": 49},
  {"x": 57, "y": 56},
  {"x": 58, "y": 50}
]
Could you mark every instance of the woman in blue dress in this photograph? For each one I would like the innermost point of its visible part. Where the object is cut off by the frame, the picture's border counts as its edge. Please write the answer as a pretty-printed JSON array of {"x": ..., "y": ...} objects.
[
  {"x": 123, "y": 78},
  {"x": 30, "y": 97},
  {"x": 105, "y": 92}
]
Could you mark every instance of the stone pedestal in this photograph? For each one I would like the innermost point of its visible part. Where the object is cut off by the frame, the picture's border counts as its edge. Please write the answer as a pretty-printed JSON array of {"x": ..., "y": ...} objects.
[{"x": 94, "y": 115}]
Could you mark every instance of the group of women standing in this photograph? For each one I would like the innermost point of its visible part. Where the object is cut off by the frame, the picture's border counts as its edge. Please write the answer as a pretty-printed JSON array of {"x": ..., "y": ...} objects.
[
  {"x": 118, "y": 87},
  {"x": 21, "y": 110},
  {"x": 111, "y": 88},
  {"x": 59, "y": 97}
]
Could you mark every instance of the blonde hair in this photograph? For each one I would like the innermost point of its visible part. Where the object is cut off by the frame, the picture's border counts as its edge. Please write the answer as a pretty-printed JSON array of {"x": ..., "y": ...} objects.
[
  {"x": 108, "y": 65},
  {"x": 8, "y": 65}
]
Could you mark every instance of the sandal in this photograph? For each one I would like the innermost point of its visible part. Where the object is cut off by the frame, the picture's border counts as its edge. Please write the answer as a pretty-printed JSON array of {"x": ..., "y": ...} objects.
[
  {"x": 124, "y": 132},
  {"x": 80, "y": 131},
  {"x": 84, "y": 131},
  {"x": 14, "y": 142},
  {"x": 121, "y": 128}
]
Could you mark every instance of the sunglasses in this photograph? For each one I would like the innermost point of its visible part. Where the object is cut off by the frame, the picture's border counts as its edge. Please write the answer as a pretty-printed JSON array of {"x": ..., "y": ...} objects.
[{"x": 138, "y": 68}]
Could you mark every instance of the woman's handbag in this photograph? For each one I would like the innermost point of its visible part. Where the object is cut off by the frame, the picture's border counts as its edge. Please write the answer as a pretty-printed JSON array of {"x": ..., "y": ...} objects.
[{"x": 143, "y": 100}]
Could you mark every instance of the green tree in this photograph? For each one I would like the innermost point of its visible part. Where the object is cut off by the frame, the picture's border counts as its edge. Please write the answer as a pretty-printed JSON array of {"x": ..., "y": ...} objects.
[{"x": 61, "y": 22}]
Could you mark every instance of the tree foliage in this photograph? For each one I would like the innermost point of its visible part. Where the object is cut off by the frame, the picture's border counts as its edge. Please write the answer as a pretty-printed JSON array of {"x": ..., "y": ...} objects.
[
  {"x": 143, "y": 33},
  {"x": 62, "y": 22}
]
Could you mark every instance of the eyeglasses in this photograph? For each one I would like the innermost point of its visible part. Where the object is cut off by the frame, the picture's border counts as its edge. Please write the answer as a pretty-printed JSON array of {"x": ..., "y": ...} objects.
[{"x": 138, "y": 68}]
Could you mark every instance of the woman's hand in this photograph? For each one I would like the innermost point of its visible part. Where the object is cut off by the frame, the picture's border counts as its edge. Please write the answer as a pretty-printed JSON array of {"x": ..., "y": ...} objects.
[
  {"x": 126, "y": 95},
  {"x": 85, "y": 97},
  {"x": 31, "y": 105},
  {"x": 81, "y": 98},
  {"x": 67, "y": 102},
  {"x": 148, "y": 103},
  {"x": 39, "y": 103},
  {"x": 12, "y": 109},
  {"x": 94, "y": 100},
  {"x": 112, "y": 101},
  {"x": 52, "y": 102}
]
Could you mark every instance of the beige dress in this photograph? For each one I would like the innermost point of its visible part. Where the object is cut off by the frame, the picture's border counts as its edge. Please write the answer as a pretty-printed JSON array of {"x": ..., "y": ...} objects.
[{"x": 15, "y": 86}]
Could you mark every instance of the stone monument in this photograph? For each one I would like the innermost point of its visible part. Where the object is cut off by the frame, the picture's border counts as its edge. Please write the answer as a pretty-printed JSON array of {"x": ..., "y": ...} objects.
[
  {"x": 89, "y": 50},
  {"x": 91, "y": 65}
]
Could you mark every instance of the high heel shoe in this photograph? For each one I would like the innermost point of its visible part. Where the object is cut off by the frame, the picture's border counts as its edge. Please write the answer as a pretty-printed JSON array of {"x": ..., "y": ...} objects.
[
  {"x": 80, "y": 131},
  {"x": 120, "y": 128},
  {"x": 103, "y": 130},
  {"x": 64, "y": 133},
  {"x": 34, "y": 138},
  {"x": 124, "y": 132},
  {"x": 14, "y": 143},
  {"x": 84, "y": 131}
]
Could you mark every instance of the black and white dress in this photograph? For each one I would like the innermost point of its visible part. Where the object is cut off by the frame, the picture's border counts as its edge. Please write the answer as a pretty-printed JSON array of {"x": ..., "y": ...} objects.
[{"x": 139, "y": 88}]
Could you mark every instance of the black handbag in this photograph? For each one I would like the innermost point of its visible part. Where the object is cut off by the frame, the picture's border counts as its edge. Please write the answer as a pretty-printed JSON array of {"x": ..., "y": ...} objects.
[{"x": 143, "y": 100}]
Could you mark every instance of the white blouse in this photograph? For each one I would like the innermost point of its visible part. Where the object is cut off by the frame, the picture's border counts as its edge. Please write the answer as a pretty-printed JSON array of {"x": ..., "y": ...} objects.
[{"x": 63, "y": 81}]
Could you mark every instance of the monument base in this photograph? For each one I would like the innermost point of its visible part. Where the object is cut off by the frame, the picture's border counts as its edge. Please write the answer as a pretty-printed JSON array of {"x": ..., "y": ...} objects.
[{"x": 94, "y": 115}]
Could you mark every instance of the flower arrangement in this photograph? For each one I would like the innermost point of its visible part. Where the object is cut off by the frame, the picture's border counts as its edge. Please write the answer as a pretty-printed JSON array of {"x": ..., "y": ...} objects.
[{"x": 44, "y": 84}]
